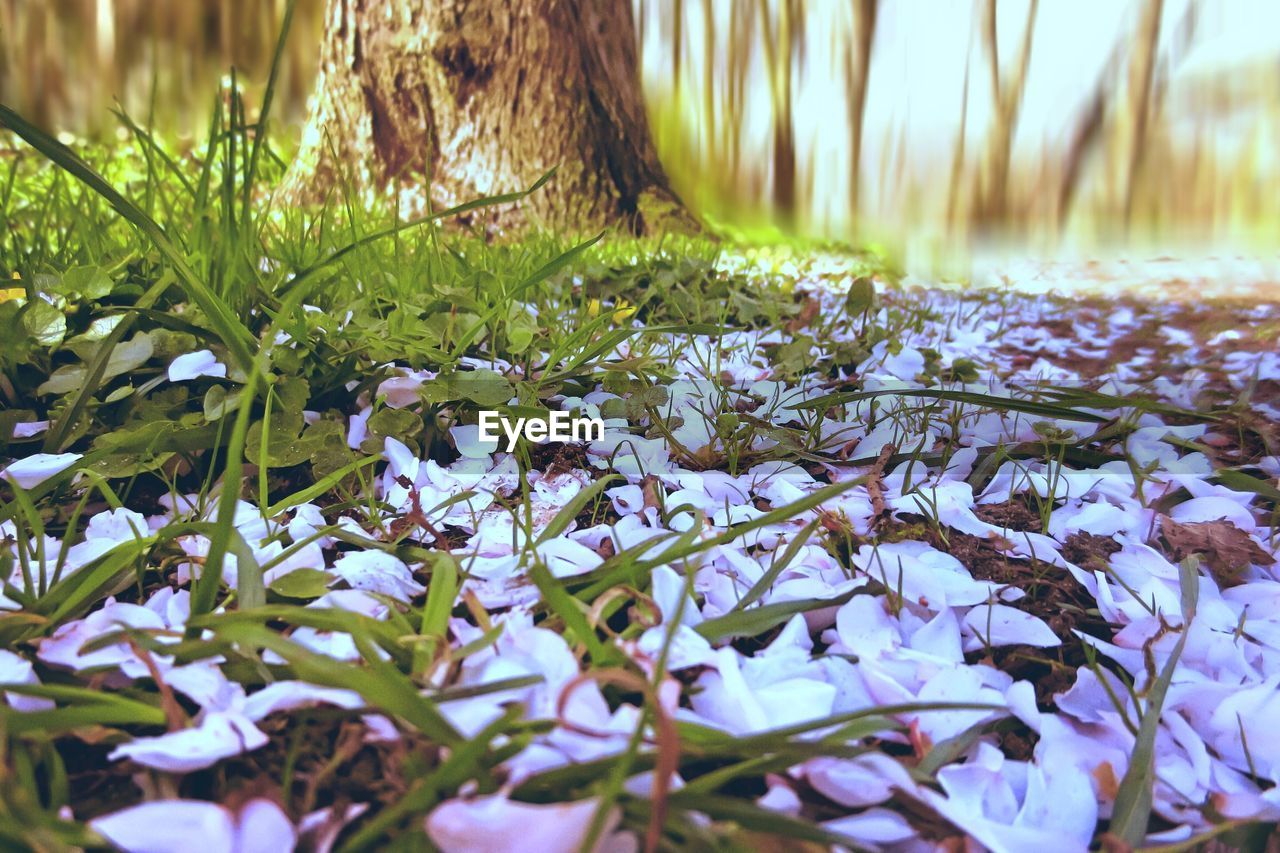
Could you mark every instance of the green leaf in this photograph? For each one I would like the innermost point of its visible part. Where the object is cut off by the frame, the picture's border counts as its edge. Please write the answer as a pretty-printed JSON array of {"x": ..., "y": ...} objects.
[
  {"x": 79, "y": 716},
  {"x": 776, "y": 568},
  {"x": 485, "y": 388},
  {"x": 748, "y": 815},
  {"x": 124, "y": 358},
  {"x": 233, "y": 333},
  {"x": 1242, "y": 482},
  {"x": 328, "y": 452},
  {"x": 129, "y": 356},
  {"x": 379, "y": 682},
  {"x": 400, "y": 424},
  {"x": 294, "y": 285},
  {"x": 320, "y": 487},
  {"x": 795, "y": 355},
  {"x": 45, "y": 323},
  {"x": 283, "y": 447},
  {"x": 82, "y": 588},
  {"x": 63, "y": 380},
  {"x": 441, "y": 592},
  {"x": 570, "y": 611},
  {"x": 861, "y": 296},
  {"x": 302, "y": 583},
  {"x": 624, "y": 565},
  {"x": 218, "y": 401},
  {"x": 118, "y": 394},
  {"x": 90, "y": 282},
  {"x": 59, "y": 436},
  {"x": 520, "y": 330}
]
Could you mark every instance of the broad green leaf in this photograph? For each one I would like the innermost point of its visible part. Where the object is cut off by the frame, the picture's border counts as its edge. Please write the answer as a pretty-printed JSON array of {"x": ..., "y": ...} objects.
[
  {"x": 90, "y": 282},
  {"x": 485, "y": 388},
  {"x": 218, "y": 402},
  {"x": 302, "y": 583},
  {"x": 861, "y": 296},
  {"x": 45, "y": 323}
]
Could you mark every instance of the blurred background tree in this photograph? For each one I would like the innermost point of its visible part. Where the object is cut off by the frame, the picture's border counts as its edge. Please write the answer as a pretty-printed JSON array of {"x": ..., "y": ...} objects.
[
  {"x": 930, "y": 121},
  {"x": 462, "y": 101}
]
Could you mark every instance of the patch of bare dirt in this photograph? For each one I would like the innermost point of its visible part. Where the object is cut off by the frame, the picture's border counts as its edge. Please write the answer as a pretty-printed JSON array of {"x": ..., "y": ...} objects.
[
  {"x": 1050, "y": 593},
  {"x": 1012, "y": 515}
]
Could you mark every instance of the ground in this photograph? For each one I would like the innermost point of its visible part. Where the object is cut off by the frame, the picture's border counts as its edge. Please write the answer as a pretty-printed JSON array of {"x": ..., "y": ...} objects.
[{"x": 860, "y": 561}]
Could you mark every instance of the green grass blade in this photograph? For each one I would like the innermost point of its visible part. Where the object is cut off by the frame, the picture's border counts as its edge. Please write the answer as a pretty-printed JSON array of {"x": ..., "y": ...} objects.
[
  {"x": 268, "y": 95},
  {"x": 573, "y": 508},
  {"x": 1132, "y": 812},
  {"x": 233, "y": 333},
  {"x": 205, "y": 588},
  {"x": 757, "y": 620},
  {"x": 991, "y": 401}
]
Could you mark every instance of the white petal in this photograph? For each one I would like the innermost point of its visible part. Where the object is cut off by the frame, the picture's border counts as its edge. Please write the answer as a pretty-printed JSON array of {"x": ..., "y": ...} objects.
[
  {"x": 467, "y": 439},
  {"x": 169, "y": 826},
  {"x": 874, "y": 826},
  {"x": 196, "y": 364},
  {"x": 33, "y": 470},
  {"x": 863, "y": 781},
  {"x": 15, "y": 669},
  {"x": 263, "y": 828},
  {"x": 496, "y": 825},
  {"x": 218, "y": 736},
  {"x": 566, "y": 558},
  {"x": 117, "y": 525},
  {"x": 1001, "y": 625},
  {"x": 378, "y": 572},
  {"x": 288, "y": 695},
  {"x": 1212, "y": 509},
  {"x": 29, "y": 428}
]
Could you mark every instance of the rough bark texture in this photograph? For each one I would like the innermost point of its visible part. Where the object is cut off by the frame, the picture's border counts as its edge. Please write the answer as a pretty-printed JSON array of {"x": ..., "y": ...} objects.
[{"x": 453, "y": 100}]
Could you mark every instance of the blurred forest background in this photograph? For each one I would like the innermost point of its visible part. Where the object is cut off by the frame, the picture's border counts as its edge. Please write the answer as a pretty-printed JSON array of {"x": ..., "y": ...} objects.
[{"x": 1048, "y": 122}]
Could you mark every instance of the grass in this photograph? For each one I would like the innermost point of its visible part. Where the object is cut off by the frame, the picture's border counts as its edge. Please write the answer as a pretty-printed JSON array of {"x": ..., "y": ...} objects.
[
  {"x": 125, "y": 259},
  {"x": 120, "y": 260}
]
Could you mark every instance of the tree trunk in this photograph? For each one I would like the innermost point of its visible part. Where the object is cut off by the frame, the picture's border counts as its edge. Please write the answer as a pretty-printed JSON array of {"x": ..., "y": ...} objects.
[
  {"x": 1141, "y": 71},
  {"x": 778, "y": 59},
  {"x": 994, "y": 199},
  {"x": 447, "y": 101},
  {"x": 857, "y": 72}
]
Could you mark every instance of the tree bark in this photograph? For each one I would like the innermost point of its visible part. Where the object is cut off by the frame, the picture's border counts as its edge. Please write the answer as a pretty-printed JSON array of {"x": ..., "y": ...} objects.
[
  {"x": 994, "y": 197},
  {"x": 1141, "y": 71},
  {"x": 857, "y": 72},
  {"x": 778, "y": 58},
  {"x": 447, "y": 101}
]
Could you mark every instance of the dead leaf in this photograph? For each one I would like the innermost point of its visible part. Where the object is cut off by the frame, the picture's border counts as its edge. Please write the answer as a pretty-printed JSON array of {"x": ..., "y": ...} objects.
[
  {"x": 1226, "y": 549},
  {"x": 875, "y": 480},
  {"x": 1108, "y": 785},
  {"x": 649, "y": 489},
  {"x": 809, "y": 312}
]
